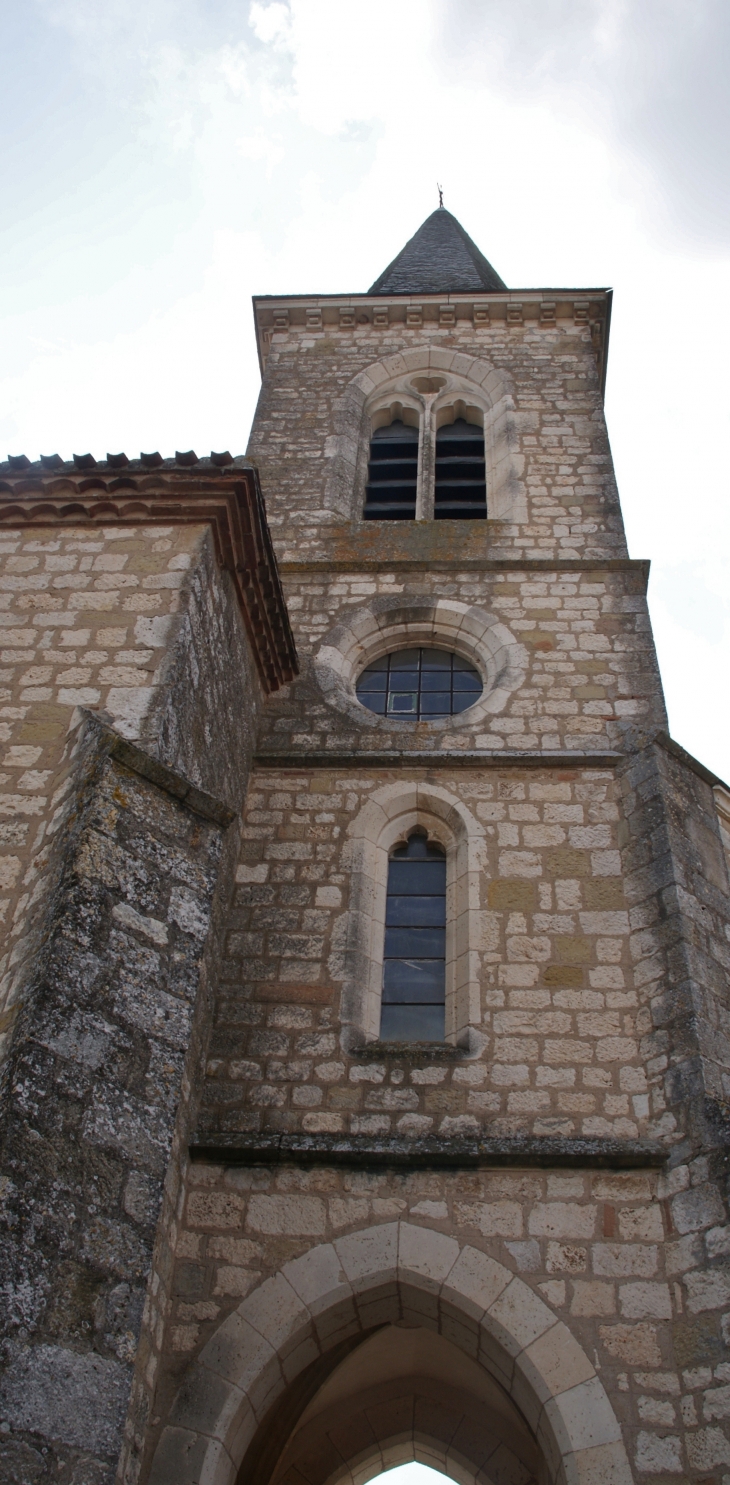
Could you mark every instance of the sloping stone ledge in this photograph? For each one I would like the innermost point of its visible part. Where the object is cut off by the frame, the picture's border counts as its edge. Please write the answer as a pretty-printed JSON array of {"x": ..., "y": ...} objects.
[
  {"x": 455, "y": 1153},
  {"x": 677, "y": 751},
  {"x": 134, "y": 758}
]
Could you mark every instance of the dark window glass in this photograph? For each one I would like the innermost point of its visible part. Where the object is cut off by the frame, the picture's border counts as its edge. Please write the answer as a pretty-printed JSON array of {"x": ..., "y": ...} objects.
[
  {"x": 390, "y": 494},
  {"x": 460, "y": 489},
  {"x": 414, "y": 961},
  {"x": 419, "y": 683}
]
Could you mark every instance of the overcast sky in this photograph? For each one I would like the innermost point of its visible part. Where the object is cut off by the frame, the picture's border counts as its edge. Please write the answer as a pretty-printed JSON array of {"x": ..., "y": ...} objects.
[{"x": 163, "y": 160}]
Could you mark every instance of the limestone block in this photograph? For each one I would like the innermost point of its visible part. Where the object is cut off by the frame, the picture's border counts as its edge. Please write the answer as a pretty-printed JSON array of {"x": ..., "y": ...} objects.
[
  {"x": 636, "y": 1345},
  {"x": 717, "y": 1242},
  {"x": 552, "y": 1364},
  {"x": 707, "y": 1448},
  {"x": 211, "y": 1405},
  {"x": 277, "y": 1312},
  {"x": 697, "y": 1208},
  {"x": 607, "y": 1464},
  {"x": 637, "y": 1301},
  {"x": 581, "y": 1418},
  {"x": 618, "y": 1260},
  {"x": 642, "y": 1223},
  {"x": 425, "y": 1254},
  {"x": 474, "y": 1283},
  {"x": 560, "y": 1219},
  {"x": 297, "y": 1216},
  {"x": 189, "y": 1458},
  {"x": 592, "y": 1298},
  {"x": 319, "y": 1280},
  {"x": 517, "y": 1317},
  {"x": 370, "y": 1258},
  {"x": 657, "y": 1453},
  {"x": 707, "y": 1291},
  {"x": 493, "y": 1219}
]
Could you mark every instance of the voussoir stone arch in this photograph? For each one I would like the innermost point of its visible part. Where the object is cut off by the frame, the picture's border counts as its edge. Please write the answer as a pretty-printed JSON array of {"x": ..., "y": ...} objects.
[
  {"x": 391, "y": 623},
  {"x": 393, "y": 1273},
  {"x": 426, "y": 380},
  {"x": 386, "y": 820}
]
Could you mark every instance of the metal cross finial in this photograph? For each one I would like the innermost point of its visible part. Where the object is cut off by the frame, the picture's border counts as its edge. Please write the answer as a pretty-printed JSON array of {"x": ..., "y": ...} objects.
[{"x": 440, "y": 190}]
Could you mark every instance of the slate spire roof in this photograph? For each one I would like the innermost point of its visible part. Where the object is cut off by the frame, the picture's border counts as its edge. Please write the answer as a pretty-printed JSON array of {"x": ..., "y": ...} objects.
[{"x": 440, "y": 259}]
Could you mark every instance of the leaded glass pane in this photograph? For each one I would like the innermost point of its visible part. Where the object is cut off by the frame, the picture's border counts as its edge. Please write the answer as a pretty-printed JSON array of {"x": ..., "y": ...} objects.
[
  {"x": 418, "y": 683},
  {"x": 414, "y": 959}
]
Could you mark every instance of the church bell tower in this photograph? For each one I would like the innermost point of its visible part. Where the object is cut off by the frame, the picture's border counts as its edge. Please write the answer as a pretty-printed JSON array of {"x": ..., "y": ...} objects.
[{"x": 452, "y": 1180}]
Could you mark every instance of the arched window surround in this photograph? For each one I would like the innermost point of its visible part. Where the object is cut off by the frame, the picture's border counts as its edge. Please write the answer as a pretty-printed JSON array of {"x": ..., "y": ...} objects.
[
  {"x": 389, "y": 624},
  {"x": 390, "y": 816},
  {"x": 429, "y": 384}
]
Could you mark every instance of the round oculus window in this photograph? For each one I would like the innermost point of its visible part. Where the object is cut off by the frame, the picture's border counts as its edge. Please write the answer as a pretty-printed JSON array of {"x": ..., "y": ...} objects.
[{"x": 419, "y": 684}]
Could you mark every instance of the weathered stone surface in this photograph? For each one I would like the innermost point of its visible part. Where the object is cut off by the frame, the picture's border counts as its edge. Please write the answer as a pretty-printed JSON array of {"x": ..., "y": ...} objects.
[
  {"x": 66, "y": 1397},
  {"x": 546, "y": 1191},
  {"x": 94, "y": 1087}
]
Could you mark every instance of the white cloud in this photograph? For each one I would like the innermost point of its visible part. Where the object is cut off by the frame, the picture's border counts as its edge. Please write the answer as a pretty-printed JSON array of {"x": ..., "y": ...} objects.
[{"x": 271, "y": 22}]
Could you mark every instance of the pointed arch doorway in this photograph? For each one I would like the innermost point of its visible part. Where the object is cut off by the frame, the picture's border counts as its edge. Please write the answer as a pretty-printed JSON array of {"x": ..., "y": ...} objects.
[
  {"x": 392, "y": 1344},
  {"x": 405, "y": 1394}
]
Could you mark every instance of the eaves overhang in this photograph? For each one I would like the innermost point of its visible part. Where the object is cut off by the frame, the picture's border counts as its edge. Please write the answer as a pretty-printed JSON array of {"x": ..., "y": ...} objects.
[
  {"x": 275, "y": 315},
  {"x": 172, "y": 492}
]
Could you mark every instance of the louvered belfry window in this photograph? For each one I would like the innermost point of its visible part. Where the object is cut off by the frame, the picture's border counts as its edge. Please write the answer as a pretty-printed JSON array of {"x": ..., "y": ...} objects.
[
  {"x": 461, "y": 489},
  {"x": 390, "y": 493},
  {"x": 414, "y": 963}
]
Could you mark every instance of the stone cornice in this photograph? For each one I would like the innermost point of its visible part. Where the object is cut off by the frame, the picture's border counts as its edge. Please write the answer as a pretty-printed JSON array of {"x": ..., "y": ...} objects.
[
  {"x": 443, "y": 758},
  {"x": 457, "y": 1152},
  {"x": 317, "y": 314},
  {"x": 544, "y": 565},
  {"x": 228, "y": 499}
]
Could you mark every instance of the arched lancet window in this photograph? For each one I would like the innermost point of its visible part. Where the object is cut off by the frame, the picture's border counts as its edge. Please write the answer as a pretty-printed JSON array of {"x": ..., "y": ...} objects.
[
  {"x": 390, "y": 494},
  {"x": 414, "y": 961},
  {"x": 460, "y": 492}
]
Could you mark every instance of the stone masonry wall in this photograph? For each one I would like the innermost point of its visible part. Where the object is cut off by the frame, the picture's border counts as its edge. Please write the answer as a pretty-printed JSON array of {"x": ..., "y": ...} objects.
[
  {"x": 86, "y": 615},
  {"x": 677, "y": 885},
  {"x": 603, "y": 1011},
  {"x": 109, "y": 981},
  {"x": 586, "y": 646},
  {"x": 558, "y": 429},
  {"x": 96, "y": 1077},
  {"x": 559, "y": 1050},
  {"x": 594, "y": 1246}
]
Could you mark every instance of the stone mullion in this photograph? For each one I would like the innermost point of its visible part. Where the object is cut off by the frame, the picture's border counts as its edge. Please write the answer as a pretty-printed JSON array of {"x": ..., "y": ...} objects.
[{"x": 426, "y": 465}]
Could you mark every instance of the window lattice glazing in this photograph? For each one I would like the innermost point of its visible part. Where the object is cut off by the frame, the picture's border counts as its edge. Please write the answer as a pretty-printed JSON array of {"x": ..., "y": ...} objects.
[
  {"x": 420, "y": 684},
  {"x": 414, "y": 962}
]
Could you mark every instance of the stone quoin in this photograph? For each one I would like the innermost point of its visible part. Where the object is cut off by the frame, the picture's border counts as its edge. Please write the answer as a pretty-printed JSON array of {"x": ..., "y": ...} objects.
[{"x": 364, "y": 992}]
